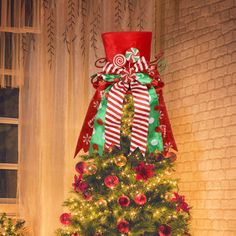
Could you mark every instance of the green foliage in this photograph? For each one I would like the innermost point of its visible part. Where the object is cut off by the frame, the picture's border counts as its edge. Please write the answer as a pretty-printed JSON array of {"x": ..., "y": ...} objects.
[
  {"x": 100, "y": 215},
  {"x": 11, "y": 227}
]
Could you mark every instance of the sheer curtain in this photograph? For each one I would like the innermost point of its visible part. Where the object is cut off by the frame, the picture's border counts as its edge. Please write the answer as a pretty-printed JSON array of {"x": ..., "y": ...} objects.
[{"x": 56, "y": 92}]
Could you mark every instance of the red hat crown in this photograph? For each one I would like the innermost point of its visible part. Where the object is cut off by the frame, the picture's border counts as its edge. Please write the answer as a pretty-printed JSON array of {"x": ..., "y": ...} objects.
[{"x": 120, "y": 42}]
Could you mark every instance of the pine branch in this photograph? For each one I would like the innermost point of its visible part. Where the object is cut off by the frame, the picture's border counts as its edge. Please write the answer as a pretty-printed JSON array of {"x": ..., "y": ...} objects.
[
  {"x": 28, "y": 39},
  {"x": 141, "y": 19},
  {"x": 84, "y": 12},
  {"x": 131, "y": 8},
  {"x": 95, "y": 27},
  {"x": 50, "y": 27},
  {"x": 118, "y": 12},
  {"x": 69, "y": 35}
]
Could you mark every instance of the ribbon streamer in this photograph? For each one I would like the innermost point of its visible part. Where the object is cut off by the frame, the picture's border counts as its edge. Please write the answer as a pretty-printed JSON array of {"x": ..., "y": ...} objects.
[
  {"x": 114, "y": 113},
  {"x": 141, "y": 117}
]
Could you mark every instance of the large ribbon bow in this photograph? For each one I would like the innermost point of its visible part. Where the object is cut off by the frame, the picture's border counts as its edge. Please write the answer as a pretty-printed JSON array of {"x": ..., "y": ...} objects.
[{"x": 126, "y": 72}]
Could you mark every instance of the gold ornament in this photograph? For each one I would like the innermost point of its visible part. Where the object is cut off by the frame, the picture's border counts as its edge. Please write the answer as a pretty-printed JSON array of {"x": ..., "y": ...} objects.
[
  {"x": 91, "y": 169},
  {"x": 120, "y": 160},
  {"x": 101, "y": 202}
]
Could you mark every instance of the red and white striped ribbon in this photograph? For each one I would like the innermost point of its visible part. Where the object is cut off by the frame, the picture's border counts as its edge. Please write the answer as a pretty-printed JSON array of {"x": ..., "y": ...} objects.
[
  {"x": 110, "y": 68},
  {"x": 113, "y": 114},
  {"x": 141, "y": 117},
  {"x": 141, "y": 64},
  {"x": 115, "y": 104}
]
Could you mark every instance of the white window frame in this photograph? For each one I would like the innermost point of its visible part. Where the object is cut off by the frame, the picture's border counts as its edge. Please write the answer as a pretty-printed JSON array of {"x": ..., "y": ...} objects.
[{"x": 10, "y": 205}]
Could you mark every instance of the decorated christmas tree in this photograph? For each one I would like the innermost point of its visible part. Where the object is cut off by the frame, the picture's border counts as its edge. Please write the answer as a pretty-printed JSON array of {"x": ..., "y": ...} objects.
[{"x": 124, "y": 185}]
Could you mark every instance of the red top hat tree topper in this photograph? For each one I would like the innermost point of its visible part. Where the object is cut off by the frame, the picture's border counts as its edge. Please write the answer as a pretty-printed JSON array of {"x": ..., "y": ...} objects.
[
  {"x": 120, "y": 42},
  {"x": 127, "y": 66}
]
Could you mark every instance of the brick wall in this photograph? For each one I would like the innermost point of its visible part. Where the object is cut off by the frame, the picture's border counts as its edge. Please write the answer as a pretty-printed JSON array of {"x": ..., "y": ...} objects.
[{"x": 199, "y": 41}]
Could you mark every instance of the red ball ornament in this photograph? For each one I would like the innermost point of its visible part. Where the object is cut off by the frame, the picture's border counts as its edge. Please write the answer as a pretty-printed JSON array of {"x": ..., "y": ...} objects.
[
  {"x": 74, "y": 234},
  {"x": 124, "y": 201},
  {"x": 65, "y": 218},
  {"x": 171, "y": 155},
  {"x": 123, "y": 226},
  {"x": 111, "y": 181},
  {"x": 140, "y": 199},
  {"x": 81, "y": 167},
  {"x": 165, "y": 230}
]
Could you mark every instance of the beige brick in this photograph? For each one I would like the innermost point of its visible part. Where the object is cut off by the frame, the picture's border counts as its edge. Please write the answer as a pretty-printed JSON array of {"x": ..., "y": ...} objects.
[
  {"x": 214, "y": 133},
  {"x": 231, "y": 47},
  {"x": 230, "y": 110},
  {"x": 228, "y": 204},
  {"x": 216, "y": 214},
  {"x": 231, "y": 174},
  {"x": 231, "y": 224},
  {"x": 229, "y": 214},
  {"x": 227, "y": 59},
  {"x": 215, "y": 195},
  {"x": 220, "y": 41},
  {"x": 224, "y": 15},
  {"x": 213, "y": 185},
  {"x": 218, "y": 102},
  {"x": 233, "y": 140},
  {"x": 230, "y": 151},
  {"x": 216, "y": 174},
  {"x": 233, "y": 162},
  {"x": 220, "y": 224},
  {"x": 216, "y": 164},
  {"x": 223, "y": 141},
  {"x": 227, "y": 121},
  {"x": 231, "y": 130},
  {"x": 225, "y": 163},
  {"x": 227, "y": 80},
  {"x": 203, "y": 52},
  {"x": 230, "y": 194},
  {"x": 227, "y": 101}
]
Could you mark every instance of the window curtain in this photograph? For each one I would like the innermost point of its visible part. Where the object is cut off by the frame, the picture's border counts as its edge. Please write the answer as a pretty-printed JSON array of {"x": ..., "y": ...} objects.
[
  {"x": 19, "y": 19},
  {"x": 56, "y": 91}
]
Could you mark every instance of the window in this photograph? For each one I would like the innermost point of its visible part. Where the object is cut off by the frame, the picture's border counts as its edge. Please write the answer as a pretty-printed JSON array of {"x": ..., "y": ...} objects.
[
  {"x": 9, "y": 138},
  {"x": 19, "y": 20},
  {"x": 9, "y": 109}
]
